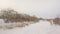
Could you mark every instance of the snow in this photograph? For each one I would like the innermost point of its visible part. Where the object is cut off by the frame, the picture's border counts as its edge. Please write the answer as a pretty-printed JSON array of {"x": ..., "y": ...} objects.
[{"x": 41, "y": 27}]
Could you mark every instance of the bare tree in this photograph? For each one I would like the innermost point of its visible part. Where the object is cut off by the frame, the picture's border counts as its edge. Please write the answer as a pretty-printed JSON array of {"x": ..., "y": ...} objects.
[
  {"x": 56, "y": 21},
  {"x": 10, "y": 15}
]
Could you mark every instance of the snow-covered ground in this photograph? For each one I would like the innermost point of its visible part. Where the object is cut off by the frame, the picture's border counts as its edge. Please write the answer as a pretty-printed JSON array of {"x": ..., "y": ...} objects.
[{"x": 42, "y": 27}]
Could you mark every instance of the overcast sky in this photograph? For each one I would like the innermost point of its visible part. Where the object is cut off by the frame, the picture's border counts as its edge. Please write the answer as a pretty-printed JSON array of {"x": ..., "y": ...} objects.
[{"x": 40, "y": 8}]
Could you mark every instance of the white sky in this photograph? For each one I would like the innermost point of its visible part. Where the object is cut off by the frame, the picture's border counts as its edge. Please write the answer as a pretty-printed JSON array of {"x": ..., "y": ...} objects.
[{"x": 40, "y": 8}]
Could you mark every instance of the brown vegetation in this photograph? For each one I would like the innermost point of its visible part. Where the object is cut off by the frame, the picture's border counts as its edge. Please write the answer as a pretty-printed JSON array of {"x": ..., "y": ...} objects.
[
  {"x": 9, "y": 27},
  {"x": 21, "y": 25},
  {"x": 56, "y": 21},
  {"x": 10, "y": 15}
]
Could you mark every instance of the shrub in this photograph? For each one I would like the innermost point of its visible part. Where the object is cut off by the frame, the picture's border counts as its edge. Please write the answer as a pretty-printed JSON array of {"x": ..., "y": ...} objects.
[
  {"x": 56, "y": 21},
  {"x": 10, "y": 15}
]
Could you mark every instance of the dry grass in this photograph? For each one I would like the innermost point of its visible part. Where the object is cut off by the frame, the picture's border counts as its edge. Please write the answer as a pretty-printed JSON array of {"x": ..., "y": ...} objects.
[
  {"x": 1, "y": 27},
  {"x": 21, "y": 25},
  {"x": 14, "y": 26},
  {"x": 9, "y": 27},
  {"x": 56, "y": 21}
]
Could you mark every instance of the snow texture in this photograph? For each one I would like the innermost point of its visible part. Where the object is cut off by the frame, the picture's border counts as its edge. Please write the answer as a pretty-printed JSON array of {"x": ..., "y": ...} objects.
[{"x": 41, "y": 27}]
